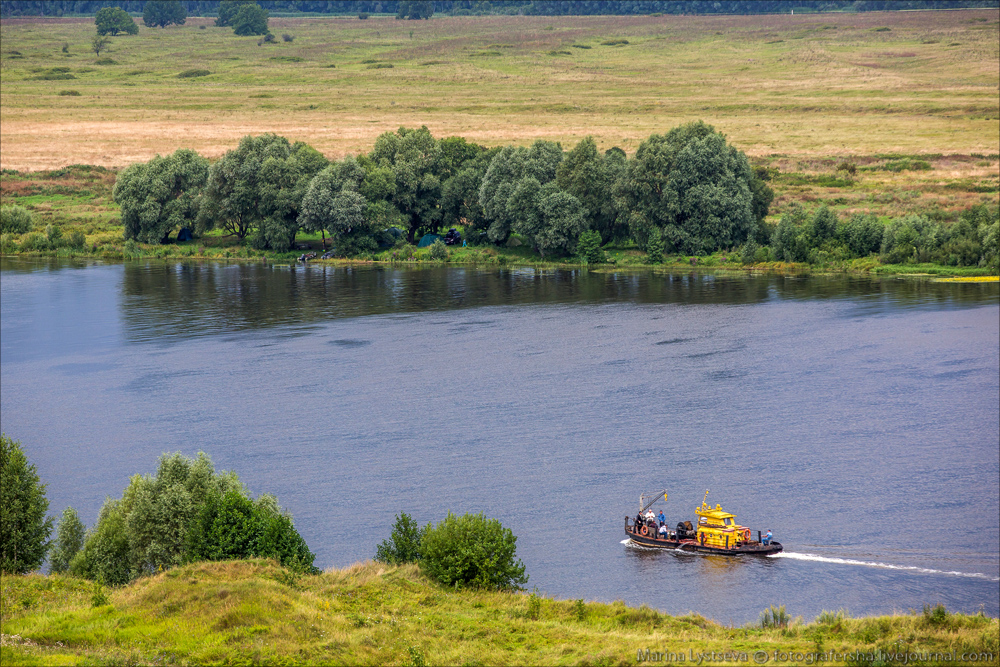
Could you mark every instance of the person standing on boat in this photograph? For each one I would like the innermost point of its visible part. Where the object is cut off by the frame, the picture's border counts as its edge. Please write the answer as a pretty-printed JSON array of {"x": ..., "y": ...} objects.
[
  {"x": 662, "y": 519},
  {"x": 767, "y": 538}
]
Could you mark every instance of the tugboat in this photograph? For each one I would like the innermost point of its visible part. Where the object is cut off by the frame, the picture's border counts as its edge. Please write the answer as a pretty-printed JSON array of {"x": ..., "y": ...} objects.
[{"x": 716, "y": 532}]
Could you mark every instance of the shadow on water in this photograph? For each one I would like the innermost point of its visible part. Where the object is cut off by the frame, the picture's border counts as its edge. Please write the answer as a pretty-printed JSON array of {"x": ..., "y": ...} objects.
[{"x": 163, "y": 301}]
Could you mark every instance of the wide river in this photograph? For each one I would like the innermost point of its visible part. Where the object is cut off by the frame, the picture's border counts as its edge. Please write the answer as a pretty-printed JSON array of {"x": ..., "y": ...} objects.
[{"x": 857, "y": 418}]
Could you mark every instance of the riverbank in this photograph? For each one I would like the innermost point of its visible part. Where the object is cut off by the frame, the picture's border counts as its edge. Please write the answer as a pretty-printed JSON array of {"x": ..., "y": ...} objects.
[
  {"x": 75, "y": 217},
  {"x": 366, "y": 614}
]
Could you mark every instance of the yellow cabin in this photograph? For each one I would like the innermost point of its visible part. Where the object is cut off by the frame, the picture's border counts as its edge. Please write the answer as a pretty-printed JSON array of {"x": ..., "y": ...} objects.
[{"x": 718, "y": 528}]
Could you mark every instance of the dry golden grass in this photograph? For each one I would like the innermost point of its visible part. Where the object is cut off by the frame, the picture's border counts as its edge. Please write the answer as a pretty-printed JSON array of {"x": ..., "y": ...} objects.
[{"x": 800, "y": 86}]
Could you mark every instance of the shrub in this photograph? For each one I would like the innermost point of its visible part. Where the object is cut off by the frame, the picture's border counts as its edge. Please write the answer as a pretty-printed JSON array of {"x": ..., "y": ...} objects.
[
  {"x": 654, "y": 247},
  {"x": 589, "y": 247},
  {"x": 848, "y": 167},
  {"x": 70, "y": 93},
  {"x": 15, "y": 219},
  {"x": 185, "y": 512},
  {"x": 287, "y": 38},
  {"x": 131, "y": 250},
  {"x": 24, "y": 529},
  {"x": 34, "y": 241},
  {"x": 403, "y": 545},
  {"x": 53, "y": 233},
  {"x": 472, "y": 551},
  {"x": 438, "y": 251},
  {"x": 77, "y": 239},
  {"x": 774, "y": 617},
  {"x": 68, "y": 542},
  {"x": 363, "y": 15},
  {"x": 190, "y": 73}
]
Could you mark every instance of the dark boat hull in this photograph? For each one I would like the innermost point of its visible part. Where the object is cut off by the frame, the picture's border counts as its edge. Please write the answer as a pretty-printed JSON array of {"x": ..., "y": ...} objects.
[{"x": 751, "y": 549}]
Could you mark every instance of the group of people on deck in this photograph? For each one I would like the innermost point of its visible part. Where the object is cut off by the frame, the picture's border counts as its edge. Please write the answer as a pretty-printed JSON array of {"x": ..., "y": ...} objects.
[{"x": 651, "y": 522}]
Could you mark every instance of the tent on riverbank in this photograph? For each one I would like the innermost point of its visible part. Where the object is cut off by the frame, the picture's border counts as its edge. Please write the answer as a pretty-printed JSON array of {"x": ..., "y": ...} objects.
[{"x": 428, "y": 239}]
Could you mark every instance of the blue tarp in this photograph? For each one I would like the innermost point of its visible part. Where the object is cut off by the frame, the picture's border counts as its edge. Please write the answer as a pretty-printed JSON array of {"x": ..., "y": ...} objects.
[{"x": 428, "y": 239}]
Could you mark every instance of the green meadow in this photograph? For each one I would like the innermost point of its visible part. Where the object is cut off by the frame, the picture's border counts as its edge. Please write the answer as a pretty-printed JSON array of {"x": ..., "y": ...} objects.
[
  {"x": 888, "y": 113},
  {"x": 255, "y": 612}
]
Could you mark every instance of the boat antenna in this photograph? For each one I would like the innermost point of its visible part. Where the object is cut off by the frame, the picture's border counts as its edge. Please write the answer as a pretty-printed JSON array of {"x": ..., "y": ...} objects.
[{"x": 705, "y": 498}]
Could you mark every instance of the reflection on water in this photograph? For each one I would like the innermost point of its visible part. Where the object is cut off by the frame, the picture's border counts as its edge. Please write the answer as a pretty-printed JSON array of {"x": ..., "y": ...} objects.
[{"x": 854, "y": 416}]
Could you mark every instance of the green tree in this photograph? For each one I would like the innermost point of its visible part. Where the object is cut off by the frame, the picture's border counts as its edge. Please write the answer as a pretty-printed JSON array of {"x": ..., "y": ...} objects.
[
  {"x": 508, "y": 174},
  {"x": 15, "y": 219},
  {"x": 590, "y": 176},
  {"x": 255, "y": 190},
  {"x": 861, "y": 234},
  {"x": 552, "y": 219},
  {"x": 471, "y": 551},
  {"x": 250, "y": 20},
  {"x": 415, "y": 159},
  {"x": 161, "y": 13},
  {"x": 403, "y": 545},
  {"x": 69, "y": 540},
  {"x": 113, "y": 20},
  {"x": 333, "y": 204},
  {"x": 790, "y": 241},
  {"x": 228, "y": 9},
  {"x": 693, "y": 187},
  {"x": 415, "y": 9},
  {"x": 99, "y": 43},
  {"x": 589, "y": 247},
  {"x": 24, "y": 528},
  {"x": 158, "y": 196},
  {"x": 105, "y": 553}
]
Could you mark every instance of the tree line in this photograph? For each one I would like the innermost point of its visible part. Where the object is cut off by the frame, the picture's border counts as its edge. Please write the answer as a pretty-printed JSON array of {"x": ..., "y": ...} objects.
[
  {"x": 188, "y": 512},
  {"x": 10, "y": 8},
  {"x": 688, "y": 190},
  {"x": 685, "y": 192}
]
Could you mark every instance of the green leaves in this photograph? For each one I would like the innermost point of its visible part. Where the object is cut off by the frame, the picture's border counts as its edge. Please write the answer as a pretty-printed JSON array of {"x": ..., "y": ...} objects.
[
  {"x": 24, "y": 529},
  {"x": 403, "y": 545},
  {"x": 113, "y": 20},
  {"x": 472, "y": 551},
  {"x": 68, "y": 542},
  {"x": 161, "y": 195}
]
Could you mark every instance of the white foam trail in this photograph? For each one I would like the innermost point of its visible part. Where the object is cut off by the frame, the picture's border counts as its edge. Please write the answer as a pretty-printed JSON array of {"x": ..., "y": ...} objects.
[{"x": 887, "y": 566}]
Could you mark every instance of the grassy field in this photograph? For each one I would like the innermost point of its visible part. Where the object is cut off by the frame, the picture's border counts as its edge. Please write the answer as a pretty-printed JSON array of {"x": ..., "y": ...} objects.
[
  {"x": 814, "y": 86},
  {"x": 255, "y": 612},
  {"x": 910, "y": 99}
]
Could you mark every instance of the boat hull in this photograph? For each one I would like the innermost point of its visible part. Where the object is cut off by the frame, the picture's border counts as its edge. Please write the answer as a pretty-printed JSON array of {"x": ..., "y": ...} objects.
[{"x": 750, "y": 549}]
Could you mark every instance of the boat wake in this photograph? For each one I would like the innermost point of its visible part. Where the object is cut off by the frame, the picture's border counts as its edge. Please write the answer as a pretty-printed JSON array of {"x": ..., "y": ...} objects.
[{"x": 886, "y": 566}]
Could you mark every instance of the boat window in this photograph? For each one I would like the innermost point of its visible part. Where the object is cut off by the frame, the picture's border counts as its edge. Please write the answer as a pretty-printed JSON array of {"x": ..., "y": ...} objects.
[{"x": 729, "y": 521}]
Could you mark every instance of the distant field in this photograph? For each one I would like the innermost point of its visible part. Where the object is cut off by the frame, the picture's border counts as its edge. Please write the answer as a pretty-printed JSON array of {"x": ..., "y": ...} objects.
[{"x": 804, "y": 87}]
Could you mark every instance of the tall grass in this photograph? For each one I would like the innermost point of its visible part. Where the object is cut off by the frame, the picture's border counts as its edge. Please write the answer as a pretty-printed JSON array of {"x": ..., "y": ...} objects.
[{"x": 250, "y": 612}]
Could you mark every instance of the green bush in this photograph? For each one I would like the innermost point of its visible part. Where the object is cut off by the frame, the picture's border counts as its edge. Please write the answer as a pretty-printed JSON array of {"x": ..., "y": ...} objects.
[
  {"x": 438, "y": 251},
  {"x": 191, "y": 73},
  {"x": 654, "y": 247},
  {"x": 34, "y": 241},
  {"x": 68, "y": 542},
  {"x": 589, "y": 247},
  {"x": 774, "y": 617},
  {"x": 15, "y": 219},
  {"x": 53, "y": 233},
  {"x": 403, "y": 545},
  {"x": 471, "y": 551},
  {"x": 77, "y": 239},
  {"x": 186, "y": 512},
  {"x": 24, "y": 529}
]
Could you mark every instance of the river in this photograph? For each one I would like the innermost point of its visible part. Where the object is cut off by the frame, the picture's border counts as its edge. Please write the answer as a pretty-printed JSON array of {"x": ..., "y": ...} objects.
[{"x": 855, "y": 417}]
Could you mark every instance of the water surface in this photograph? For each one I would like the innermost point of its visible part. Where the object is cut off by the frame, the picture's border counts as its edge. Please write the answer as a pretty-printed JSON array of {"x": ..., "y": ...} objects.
[{"x": 856, "y": 417}]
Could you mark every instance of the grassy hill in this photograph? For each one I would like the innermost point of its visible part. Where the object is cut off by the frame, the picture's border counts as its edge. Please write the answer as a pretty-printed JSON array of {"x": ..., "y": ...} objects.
[{"x": 255, "y": 612}]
